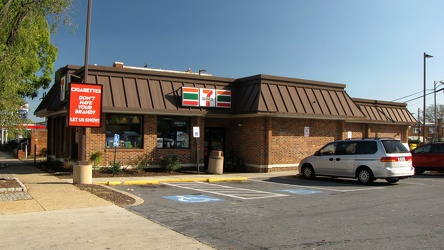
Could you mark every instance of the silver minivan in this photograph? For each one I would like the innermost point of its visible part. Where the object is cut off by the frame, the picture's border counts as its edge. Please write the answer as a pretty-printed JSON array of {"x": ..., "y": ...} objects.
[{"x": 364, "y": 159}]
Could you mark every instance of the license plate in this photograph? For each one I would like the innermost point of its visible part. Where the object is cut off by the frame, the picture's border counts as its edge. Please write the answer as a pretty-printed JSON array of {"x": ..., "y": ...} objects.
[{"x": 401, "y": 159}]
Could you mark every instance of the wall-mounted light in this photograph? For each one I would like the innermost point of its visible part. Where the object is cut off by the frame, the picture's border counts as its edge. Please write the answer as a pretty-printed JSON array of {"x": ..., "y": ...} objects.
[
  {"x": 135, "y": 119},
  {"x": 239, "y": 124}
]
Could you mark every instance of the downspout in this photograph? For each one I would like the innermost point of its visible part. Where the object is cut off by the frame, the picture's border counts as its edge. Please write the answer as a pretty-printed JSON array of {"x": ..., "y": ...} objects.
[{"x": 267, "y": 138}]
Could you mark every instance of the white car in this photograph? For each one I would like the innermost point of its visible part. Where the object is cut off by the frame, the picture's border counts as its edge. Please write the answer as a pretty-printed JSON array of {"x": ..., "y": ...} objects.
[{"x": 364, "y": 159}]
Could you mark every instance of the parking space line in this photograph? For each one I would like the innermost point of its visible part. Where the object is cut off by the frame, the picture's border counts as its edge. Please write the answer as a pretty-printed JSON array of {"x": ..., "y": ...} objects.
[
  {"x": 321, "y": 188},
  {"x": 238, "y": 193}
]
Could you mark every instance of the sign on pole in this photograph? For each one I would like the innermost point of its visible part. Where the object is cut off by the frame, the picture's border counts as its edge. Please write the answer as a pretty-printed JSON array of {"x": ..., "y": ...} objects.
[
  {"x": 85, "y": 105},
  {"x": 196, "y": 135},
  {"x": 116, "y": 140},
  {"x": 196, "y": 132}
]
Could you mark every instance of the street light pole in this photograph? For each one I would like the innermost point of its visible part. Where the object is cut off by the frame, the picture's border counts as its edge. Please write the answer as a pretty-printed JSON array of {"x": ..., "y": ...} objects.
[
  {"x": 83, "y": 160},
  {"x": 436, "y": 134},
  {"x": 424, "y": 99}
]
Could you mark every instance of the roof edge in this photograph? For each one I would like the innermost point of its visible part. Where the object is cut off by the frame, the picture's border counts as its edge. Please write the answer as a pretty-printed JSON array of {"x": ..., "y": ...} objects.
[
  {"x": 290, "y": 80},
  {"x": 378, "y": 102}
]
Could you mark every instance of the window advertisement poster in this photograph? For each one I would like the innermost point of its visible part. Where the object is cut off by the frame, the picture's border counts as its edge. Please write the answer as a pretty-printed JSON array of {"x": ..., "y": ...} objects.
[{"x": 85, "y": 105}]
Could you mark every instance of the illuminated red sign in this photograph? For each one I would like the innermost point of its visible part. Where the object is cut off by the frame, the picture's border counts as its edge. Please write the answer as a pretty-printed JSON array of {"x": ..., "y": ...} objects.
[{"x": 85, "y": 105}]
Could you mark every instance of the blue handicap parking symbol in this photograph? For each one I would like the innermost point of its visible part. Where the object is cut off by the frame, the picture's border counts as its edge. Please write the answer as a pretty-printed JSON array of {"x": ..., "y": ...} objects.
[
  {"x": 193, "y": 198},
  {"x": 301, "y": 191}
]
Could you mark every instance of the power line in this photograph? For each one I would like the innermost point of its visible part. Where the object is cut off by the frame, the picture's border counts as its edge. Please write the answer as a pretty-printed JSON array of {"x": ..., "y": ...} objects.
[
  {"x": 407, "y": 96},
  {"x": 421, "y": 96}
]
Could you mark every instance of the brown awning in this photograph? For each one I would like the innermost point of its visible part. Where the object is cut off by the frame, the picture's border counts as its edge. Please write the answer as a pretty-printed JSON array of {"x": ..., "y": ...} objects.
[
  {"x": 293, "y": 98},
  {"x": 385, "y": 112}
]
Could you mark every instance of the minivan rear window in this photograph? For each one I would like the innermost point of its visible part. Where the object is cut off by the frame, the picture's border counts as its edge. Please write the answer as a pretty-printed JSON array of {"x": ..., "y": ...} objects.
[{"x": 394, "y": 146}]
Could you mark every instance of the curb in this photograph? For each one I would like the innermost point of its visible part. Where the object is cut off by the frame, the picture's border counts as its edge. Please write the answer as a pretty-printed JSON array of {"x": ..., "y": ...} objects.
[
  {"x": 22, "y": 187},
  {"x": 135, "y": 197},
  {"x": 157, "y": 182}
]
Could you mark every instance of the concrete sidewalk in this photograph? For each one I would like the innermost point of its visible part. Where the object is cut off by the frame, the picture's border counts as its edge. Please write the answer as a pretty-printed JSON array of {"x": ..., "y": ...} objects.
[{"x": 58, "y": 215}]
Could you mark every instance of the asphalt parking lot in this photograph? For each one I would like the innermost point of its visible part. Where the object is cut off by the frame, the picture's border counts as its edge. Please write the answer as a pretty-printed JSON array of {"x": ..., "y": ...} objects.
[{"x": 294, "y": 213}]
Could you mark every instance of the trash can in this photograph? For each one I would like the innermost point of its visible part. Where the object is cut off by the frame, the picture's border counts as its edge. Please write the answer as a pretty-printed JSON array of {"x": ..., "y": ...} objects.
[{"x": 216, "y": 162}]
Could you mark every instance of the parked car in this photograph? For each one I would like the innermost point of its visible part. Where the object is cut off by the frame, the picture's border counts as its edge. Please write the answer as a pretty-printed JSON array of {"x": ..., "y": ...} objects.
[
  {"x": 428, "y": 157},
  {"x": 364, "y": 159},
  {"x": 130, "y": 138}
]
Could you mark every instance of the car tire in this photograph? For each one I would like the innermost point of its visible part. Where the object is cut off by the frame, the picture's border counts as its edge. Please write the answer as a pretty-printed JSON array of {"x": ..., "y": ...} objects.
[
  {"x": 419, "y": 171},
  {"x": 392, "y": 180},
  {"x": 365, "y": 176},
  {"x": 308, "y": 172}
]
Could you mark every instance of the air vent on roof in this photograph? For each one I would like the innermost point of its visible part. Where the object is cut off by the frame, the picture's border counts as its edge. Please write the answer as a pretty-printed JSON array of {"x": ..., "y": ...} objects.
[{"x": 118, "y": 64}]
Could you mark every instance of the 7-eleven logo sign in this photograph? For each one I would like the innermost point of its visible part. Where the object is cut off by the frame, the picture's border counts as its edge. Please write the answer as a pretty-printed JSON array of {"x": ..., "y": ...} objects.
[{"x": 207, "y": 98}]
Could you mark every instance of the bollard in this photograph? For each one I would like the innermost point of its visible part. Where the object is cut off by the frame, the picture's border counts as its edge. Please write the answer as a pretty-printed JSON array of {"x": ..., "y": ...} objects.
[
  {"x": 82, "y": 174},
  {"x": 216, "y": 162}
]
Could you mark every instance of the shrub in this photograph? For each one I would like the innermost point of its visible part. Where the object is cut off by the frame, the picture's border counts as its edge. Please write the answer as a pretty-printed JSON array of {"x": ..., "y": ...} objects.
[
  {"x": 170, "y": 163},
  {"x": 115, "y": 168},
  {"x": 42, "y": 152},
  {"x": 140, "y": 163},
  {"x": 67, "y": 166},
  {"x": 56, "y": 166},
  {"x": 96, "y": 156}
]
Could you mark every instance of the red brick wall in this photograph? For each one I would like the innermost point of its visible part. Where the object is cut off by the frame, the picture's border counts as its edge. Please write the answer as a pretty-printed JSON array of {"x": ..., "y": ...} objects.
[
  {"x": 265, "y": 143},
  {"x": 39, "y": 139},
  {"x": 247, "y": 137},
  {"x": 127, "y": 157},
  {"x": 358, "y": 130},
  {"x": 389, "y": 131},
  {"x": 275, "y": 141},
  {"x": 289, "y": 145}
]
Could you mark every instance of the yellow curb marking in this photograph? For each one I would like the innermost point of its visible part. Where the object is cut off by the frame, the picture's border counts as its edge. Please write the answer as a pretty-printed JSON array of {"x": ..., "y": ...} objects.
[{"x": 156, "y": 182}]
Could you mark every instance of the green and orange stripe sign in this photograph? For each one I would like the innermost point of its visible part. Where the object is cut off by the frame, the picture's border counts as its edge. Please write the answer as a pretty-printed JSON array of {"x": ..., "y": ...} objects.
[
  {"x": 190, "y": 97},
  {"x": 223, "y": 98}
]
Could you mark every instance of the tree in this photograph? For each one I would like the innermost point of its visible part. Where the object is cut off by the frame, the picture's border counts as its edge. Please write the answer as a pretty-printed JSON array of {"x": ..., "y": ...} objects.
[
  {"x": 26, "y": 54},
  {"x": 430, "y": 113}
]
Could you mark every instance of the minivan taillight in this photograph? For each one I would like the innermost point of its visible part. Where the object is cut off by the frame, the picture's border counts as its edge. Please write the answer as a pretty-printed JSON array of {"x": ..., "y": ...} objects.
[
  {"x": 396, "y": 159},
  {"x": 389, "y": 159}
]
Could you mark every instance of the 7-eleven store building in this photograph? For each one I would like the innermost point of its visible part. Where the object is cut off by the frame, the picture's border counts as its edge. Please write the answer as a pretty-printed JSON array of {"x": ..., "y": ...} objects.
[{"x": 272, "y": 122}]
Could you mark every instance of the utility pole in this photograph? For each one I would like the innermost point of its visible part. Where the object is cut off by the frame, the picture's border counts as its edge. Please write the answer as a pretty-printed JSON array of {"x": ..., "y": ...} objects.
[{"x": 419, "y": 125}]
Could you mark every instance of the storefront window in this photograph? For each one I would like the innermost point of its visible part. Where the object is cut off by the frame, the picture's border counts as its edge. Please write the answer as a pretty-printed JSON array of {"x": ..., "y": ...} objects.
[
  {"x": 129, "y": 129},
  {"x": 173, "y": 132}
]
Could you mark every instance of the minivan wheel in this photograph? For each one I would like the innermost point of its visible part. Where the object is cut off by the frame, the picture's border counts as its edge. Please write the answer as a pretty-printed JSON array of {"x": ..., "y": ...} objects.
[
  {"x": 392, "y": 180},
  {"x": 365, "y": 176},
  {"x": 308, "y": 172}
]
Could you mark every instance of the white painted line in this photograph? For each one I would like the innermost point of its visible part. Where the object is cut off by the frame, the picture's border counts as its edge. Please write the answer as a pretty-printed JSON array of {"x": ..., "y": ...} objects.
[
  {"x": 321, "y": 188},
  {"x": 238, "y": 193}
]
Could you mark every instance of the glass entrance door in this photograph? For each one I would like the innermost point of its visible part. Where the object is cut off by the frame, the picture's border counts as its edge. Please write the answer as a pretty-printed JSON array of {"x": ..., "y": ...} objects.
[{"x": 214, "y": 140}]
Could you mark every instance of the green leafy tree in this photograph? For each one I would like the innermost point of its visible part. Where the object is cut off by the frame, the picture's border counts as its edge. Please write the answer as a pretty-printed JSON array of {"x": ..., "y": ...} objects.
[{"x": 26, "y": 54}]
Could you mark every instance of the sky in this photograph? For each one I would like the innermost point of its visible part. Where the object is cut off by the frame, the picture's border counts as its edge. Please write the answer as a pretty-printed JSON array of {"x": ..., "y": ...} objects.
[{"x": 376, "y": 48}]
